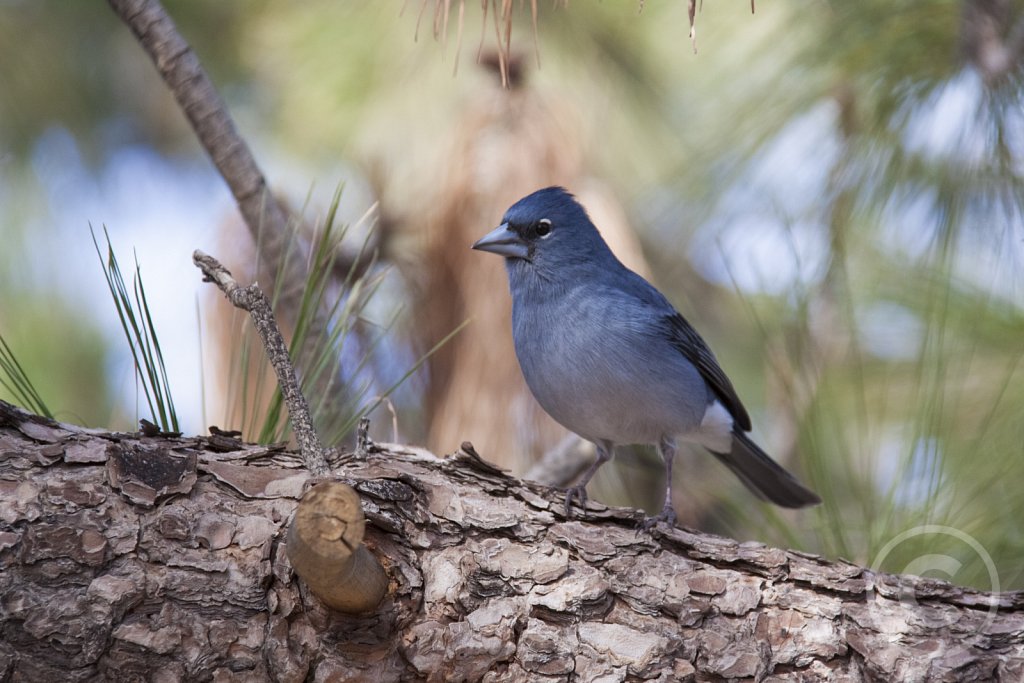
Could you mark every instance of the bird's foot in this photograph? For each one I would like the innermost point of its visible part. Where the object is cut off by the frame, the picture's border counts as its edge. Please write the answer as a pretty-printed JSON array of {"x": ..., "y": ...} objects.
[
  {"x": 668, "y": 515},
  {"x": 580, "y": 494}
]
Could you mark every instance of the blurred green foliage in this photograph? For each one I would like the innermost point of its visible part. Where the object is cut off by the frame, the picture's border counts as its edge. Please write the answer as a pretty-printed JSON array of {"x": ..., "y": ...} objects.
[{"x": 888, "y": 370}]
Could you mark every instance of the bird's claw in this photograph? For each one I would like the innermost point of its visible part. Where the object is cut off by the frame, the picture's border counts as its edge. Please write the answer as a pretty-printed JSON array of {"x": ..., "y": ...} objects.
[
  {"x": 668, "y": 515},
  {"x": 577, "y": 492}
]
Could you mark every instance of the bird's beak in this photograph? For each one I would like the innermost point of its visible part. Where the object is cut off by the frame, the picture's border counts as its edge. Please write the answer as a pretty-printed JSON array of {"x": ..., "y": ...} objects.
[{"x": 505, "y": 242}]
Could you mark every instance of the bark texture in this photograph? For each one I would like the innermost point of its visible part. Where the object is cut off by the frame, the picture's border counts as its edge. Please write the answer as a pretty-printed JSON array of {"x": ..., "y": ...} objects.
[{"x": 134, "y": 558}]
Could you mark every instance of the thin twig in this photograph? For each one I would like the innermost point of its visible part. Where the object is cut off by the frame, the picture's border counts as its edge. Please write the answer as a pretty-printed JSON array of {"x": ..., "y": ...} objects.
[
  {"x": 394, "y": 414},
  {"x": 253, "y": 300}
]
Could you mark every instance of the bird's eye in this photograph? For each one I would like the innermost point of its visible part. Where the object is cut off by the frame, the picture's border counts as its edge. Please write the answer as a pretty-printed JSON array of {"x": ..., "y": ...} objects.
[{"x": 543, "y": 227}]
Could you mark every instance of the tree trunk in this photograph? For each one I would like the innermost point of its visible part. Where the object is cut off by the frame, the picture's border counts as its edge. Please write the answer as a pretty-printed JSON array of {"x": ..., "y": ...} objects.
[{"x": 127, "y": 557}]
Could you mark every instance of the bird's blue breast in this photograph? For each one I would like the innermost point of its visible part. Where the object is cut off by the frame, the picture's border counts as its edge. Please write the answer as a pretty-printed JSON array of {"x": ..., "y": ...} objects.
[{"x": 597, "y": 362}]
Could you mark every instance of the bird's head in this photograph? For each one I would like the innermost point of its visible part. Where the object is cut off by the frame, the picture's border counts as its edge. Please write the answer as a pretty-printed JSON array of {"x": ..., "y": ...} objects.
[{"x": 549, "y": 231}]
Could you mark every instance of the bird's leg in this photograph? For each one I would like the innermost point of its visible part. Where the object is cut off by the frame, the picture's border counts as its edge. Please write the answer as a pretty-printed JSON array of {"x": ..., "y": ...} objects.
[
  {"x": 667, "y": 448},
  {"x": 579, "y": 492}
]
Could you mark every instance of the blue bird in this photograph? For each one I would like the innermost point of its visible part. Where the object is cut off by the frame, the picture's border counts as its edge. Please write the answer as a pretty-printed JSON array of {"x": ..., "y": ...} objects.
[{"x": 609, "y": 358}]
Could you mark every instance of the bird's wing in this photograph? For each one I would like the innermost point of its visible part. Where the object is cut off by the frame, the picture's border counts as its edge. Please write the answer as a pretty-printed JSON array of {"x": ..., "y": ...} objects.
[
  {"x": 689, "y": 343},
  {"x": 682, "y": 335}
]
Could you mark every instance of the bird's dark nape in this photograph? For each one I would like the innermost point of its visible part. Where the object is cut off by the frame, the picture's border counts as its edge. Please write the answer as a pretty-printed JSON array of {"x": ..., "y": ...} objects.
[{"x": 766, "y": 478}]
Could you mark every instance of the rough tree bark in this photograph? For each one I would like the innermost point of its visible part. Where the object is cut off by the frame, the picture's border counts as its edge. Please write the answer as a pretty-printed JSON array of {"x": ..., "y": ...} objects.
[{"x": 126, "y": 557}]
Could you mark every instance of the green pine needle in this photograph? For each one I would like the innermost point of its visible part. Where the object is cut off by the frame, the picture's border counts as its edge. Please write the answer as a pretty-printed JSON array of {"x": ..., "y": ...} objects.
[
  {"x": 18, "y": 384},
  {"x": 137, "y": 322}
]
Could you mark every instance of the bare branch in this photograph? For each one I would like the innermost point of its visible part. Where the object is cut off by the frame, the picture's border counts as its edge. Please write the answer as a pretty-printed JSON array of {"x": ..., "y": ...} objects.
[
  {"x": 253, "y": 300},
  {"x": 206, "y": 112}
]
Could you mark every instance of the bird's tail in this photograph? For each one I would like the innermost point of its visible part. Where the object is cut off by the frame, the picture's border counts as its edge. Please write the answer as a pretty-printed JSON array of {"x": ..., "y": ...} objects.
[{"x": 765, "y": 477}]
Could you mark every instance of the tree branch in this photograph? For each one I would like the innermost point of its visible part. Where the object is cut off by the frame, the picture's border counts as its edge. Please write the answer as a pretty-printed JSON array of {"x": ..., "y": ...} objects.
[
  {"x": 487, "y": 581},
  {"x": 206, "y": 112},
  {"x": 253, "y": 300}
]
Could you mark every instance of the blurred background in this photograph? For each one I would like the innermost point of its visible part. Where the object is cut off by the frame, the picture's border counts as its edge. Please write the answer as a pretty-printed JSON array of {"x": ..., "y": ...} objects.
[{"x": 830, "y": 192}]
